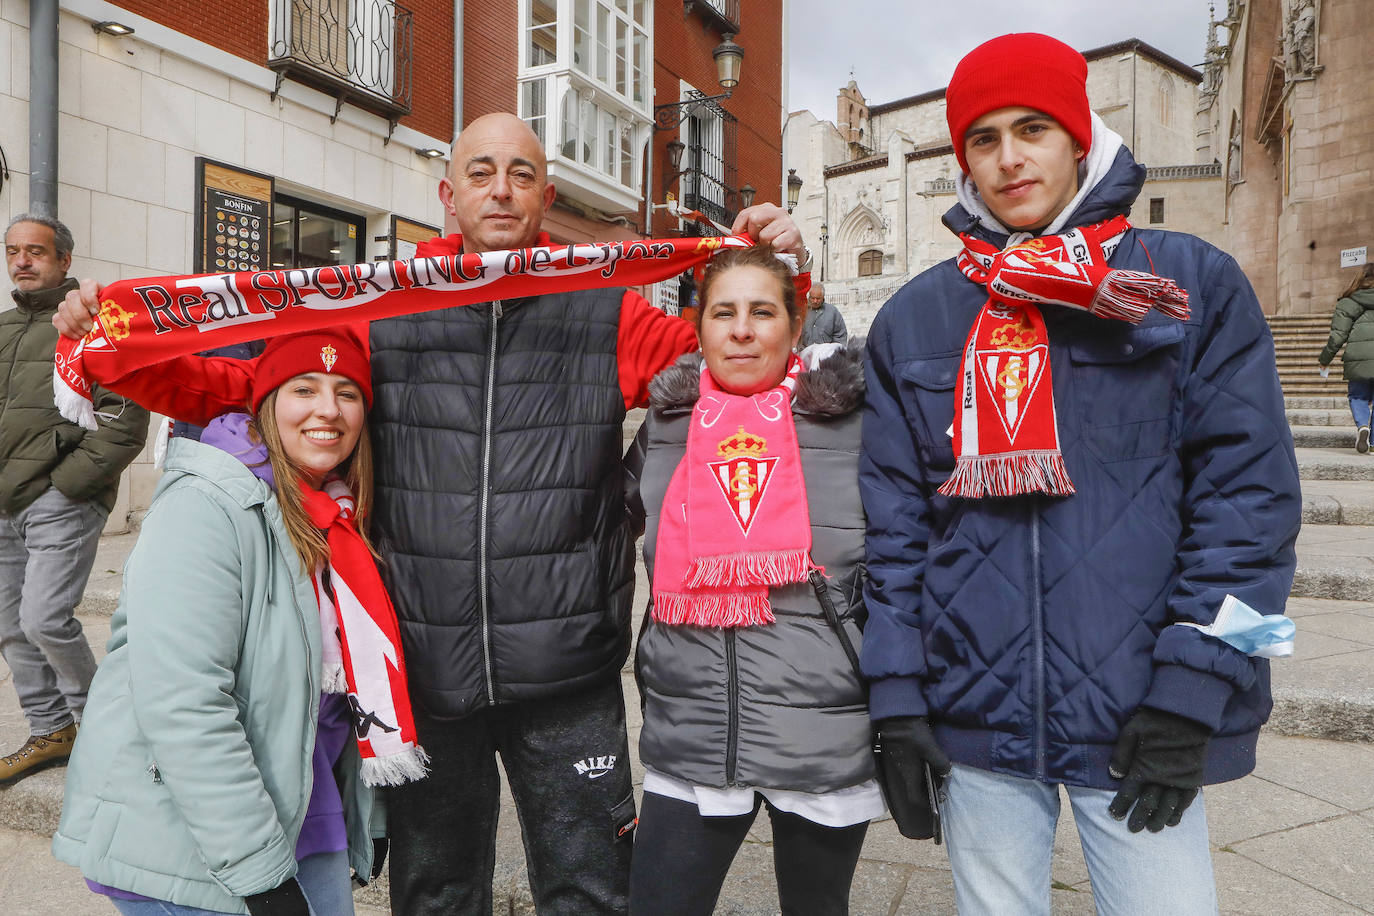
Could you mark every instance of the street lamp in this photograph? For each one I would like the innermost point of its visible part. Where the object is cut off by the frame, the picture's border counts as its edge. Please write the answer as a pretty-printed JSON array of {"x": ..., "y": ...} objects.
[
  {"x": 729, "y": 59},
  {"x": 794, "y": 184},
  {"x": 746, "y": 196}
]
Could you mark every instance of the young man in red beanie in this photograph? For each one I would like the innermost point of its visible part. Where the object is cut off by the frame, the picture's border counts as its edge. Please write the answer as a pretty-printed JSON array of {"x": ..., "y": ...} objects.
[{"x": 1082, "y": 497}]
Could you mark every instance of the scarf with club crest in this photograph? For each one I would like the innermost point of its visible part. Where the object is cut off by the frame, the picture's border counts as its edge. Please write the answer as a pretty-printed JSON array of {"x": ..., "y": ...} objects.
[
  {"x": 361, "y": 642},
  {"x": 1006, "y": 439},
  {"x": 734, "y": 519}
]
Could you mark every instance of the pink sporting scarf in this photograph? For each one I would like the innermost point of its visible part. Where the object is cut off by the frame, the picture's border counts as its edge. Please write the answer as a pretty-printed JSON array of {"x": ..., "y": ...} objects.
[
  {"x": 734, "y": 518},
  {"x": 143, "y": 322},
  {"x": 1006, "y": 439},
  {"x": 362, "y": 643}
]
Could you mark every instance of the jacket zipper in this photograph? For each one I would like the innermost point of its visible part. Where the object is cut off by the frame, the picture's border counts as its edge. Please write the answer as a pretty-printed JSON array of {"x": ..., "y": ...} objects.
[
  {"x": 731, "y": 708},
  {"x": 1038, "y": 638},
  {"x": 482, "y": 512}
]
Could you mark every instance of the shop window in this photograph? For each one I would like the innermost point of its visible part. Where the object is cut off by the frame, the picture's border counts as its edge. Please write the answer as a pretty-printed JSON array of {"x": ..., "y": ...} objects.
[
  {"x": 306, "y": 234},
  {"x": 870, "y": 263}
]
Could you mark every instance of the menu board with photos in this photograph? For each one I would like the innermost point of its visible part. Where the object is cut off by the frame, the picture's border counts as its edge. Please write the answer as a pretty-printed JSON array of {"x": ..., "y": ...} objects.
[{"x": 234, "y": 224}]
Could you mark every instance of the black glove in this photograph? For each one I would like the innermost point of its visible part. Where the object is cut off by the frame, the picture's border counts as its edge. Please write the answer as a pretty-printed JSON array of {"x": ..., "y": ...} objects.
[
  {"x": 1158, "y": 759},
  {"x": 911, "y": 764},
  {"x": 283, "y": 900},
  {"x": 379, "y": 847}
]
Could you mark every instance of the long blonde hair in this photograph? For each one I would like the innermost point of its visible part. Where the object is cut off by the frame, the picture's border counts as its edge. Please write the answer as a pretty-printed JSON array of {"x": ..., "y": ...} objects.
[
  {"x": 356, "y": 471},
  {"x": 1364, "y": 280}
]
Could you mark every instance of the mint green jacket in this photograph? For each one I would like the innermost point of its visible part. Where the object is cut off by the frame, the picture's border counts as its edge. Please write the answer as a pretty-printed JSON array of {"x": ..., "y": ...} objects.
[{"x": 192, "y": 770}]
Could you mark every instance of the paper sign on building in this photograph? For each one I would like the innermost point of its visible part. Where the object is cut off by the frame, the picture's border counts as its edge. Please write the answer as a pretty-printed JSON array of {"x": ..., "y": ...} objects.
[{"x": 1355, "y": 257}]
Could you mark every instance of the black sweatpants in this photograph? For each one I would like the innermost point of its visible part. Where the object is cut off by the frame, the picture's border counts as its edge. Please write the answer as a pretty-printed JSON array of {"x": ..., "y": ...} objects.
[
  {"x": 567, "y": 760},
  {"x": 681, "y": 859}
]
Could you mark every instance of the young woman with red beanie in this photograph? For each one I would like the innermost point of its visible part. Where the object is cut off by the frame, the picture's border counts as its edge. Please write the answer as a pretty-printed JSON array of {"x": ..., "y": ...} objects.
[
  {"x": 1081, "y": 498},
  {"x": 254, "y": 691}
]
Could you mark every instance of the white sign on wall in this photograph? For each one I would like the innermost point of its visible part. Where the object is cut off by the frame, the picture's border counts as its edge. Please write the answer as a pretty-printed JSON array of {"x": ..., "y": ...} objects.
[{"x": 1355, "y": 257}]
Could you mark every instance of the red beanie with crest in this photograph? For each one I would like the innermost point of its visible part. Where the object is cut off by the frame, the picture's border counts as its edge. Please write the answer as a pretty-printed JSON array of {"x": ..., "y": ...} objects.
[
  {"x": 1023, "y": 69},
  {"x": 338, "y": 350}
]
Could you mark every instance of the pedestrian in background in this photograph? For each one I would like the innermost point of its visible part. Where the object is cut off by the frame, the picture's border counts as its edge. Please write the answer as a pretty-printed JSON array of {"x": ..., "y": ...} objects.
[
  {"x": 823, "y": 322},
  {"x": 57, "y": 486},
  {"x": 254, "y": 690},
  {"x": 1352, "y": 327},
  {"x": 747, "y": 470}
]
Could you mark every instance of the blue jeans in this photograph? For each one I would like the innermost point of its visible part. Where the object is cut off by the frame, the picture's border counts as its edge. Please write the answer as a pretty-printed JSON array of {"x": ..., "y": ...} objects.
[
  {"x": 324, "y": 879},
  {"x": 1361, "y": 393},
  {"x": 999, "y": 831}
]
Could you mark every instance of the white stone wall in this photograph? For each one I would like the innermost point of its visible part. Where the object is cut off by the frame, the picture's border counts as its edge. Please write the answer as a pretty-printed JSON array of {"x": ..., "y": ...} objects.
[{"x": 136, "y": 111}]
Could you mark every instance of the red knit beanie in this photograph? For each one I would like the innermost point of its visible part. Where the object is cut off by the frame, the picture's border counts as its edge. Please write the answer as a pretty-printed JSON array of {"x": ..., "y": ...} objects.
[
  {"x": 338, "y": 350},
  {"x": 1024, "y": 69}
]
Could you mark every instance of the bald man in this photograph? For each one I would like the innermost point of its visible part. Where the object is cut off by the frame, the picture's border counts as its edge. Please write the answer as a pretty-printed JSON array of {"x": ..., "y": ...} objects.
[
  {"x": 497, "y": 432},
  {"x": 824, "y": 323}
]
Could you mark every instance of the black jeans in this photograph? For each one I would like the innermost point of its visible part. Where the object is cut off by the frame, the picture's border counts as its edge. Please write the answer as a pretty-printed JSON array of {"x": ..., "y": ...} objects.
[
  {"x": 567, "y": 760},
  {"x": 681, "y": 859}
]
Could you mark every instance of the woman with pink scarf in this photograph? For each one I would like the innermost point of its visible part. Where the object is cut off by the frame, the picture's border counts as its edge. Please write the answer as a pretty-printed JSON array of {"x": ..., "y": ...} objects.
[{"x": 746, "y": 472}]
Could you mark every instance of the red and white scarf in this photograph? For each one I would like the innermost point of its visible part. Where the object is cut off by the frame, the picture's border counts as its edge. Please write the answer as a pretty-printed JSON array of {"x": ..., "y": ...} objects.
[
  {"x": 362, "y": 643},
  {"x": 143, "y": 322},
  {"x": 734, "y": 518},
  {"x": 1006, "y": 437}
]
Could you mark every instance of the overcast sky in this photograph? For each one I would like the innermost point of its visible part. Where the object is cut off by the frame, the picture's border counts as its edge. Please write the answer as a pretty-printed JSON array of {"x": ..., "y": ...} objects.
[{"x": 899, "y": 48}]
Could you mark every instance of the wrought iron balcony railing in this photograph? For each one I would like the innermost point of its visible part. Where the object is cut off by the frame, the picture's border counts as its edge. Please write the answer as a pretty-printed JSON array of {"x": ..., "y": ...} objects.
[
  {"x": 359, "y": 51},
  {"x": 723, "y": 14}
]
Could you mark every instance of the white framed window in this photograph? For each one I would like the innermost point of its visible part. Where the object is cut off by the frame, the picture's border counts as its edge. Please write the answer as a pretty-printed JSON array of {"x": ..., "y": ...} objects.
[
  {"x": 540, "y": 22},
  {"x": 610, "y": 45},
  {"x": 585, "y": 71}
]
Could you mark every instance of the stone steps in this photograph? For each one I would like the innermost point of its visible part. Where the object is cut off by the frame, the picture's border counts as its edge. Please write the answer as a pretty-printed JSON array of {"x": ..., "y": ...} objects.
[
  {"x": 1341, "y": 463},
  {"x": 1339, "y": 417},
  {"x": 1324, "y": 437}
]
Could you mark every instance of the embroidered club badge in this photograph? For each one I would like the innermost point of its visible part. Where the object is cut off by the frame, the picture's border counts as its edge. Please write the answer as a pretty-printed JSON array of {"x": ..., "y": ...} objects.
[
  {"x": 329, "y": 356},
  {"x": 744, "y": 475}
]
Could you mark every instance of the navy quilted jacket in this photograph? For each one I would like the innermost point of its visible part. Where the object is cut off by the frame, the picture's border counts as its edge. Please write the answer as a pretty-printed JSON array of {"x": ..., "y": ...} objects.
[{"x": 1029, "y": 629}]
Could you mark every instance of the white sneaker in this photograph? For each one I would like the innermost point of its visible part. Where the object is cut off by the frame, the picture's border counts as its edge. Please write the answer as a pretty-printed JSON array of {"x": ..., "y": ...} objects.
[{"x": 1362, "y": 440}]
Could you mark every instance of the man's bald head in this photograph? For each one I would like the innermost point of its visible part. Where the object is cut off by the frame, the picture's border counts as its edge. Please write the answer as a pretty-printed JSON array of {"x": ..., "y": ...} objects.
[{"x": 497, "y": 185}]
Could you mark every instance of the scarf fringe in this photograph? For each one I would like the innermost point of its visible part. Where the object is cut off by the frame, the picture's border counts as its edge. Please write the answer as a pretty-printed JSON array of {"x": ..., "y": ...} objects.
[
  {"x": 396, "y": 769},
  {"x": 333, "y": 679},
  {"x": 1009, "y": 475},
  {"x": 768, "y": 567},
  {"x": 1128, "y": 295},
  {"x": 731, "y": 609},
  {"x": 72, "y": 406}
]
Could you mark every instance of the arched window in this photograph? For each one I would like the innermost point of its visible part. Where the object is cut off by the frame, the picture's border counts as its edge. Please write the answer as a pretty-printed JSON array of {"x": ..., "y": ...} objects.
[{"x": 870, "y": 263}]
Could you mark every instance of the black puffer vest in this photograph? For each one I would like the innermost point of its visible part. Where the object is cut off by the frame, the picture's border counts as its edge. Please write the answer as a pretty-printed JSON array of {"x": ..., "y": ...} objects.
[
  {"x": 497, "y": 431},
  {"x": 776, "y": 706}
]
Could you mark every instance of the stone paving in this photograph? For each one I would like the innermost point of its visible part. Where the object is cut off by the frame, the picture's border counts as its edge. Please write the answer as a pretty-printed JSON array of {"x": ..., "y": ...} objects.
[{"x": 1296, "y": 837}]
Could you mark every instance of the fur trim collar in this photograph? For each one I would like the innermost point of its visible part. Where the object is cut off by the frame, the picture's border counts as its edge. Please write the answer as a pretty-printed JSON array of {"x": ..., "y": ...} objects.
[{"x": 832, "y": 389}]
